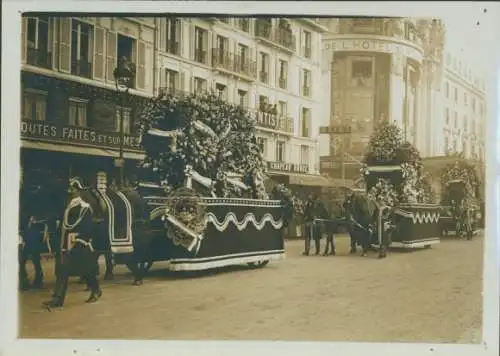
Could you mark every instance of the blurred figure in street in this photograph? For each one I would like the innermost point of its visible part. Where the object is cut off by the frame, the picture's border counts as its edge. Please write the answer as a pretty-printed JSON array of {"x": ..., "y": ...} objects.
[
  {"x": 34, "y": 236},
  {"x": 311, "y": 210}
]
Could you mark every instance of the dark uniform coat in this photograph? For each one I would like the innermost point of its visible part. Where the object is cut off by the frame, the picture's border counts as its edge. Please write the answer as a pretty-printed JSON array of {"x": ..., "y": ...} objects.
[{"x": 79, "y": 259}]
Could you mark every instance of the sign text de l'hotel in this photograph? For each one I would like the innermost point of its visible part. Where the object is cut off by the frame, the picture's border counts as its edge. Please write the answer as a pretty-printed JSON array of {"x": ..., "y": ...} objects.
[{"x": 71, "y": 134}]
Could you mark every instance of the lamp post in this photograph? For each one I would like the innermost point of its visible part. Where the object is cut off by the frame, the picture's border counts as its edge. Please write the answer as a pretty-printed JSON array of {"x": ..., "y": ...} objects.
[{"x": 124, "y": 75}]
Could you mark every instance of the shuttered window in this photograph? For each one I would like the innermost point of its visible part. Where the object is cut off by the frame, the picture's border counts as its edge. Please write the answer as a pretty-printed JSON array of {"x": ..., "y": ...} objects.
[
  {"x": 65, "y": 45},
  {"x": 99, "y": 53},
  {"x": 111, "y": 56},
  {"x": 141, "y": 65}
]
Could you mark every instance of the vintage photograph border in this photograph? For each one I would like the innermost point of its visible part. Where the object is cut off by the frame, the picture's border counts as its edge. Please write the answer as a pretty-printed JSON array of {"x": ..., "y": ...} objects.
[{"x": 10, "y": 150}]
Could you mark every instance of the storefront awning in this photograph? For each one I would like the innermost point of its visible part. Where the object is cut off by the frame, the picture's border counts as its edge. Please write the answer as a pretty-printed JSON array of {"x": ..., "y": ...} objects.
[{"x": 91, "y": 151}]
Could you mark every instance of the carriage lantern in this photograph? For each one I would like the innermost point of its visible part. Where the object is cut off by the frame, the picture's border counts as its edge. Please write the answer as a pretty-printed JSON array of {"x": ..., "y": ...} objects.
[{"x": 124, "y": 75}]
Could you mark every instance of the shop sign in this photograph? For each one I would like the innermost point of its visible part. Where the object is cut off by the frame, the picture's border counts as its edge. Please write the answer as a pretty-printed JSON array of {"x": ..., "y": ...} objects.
[
  {"x": 335, "y": 129},
  {"x": 373, "y": 45},
  {"x": 288, "y": 167},
  {"x": 45, "y": 131}
]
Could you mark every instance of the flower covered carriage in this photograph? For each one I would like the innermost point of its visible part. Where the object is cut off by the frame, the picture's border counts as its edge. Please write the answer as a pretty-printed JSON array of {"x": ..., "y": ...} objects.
[
  {"x": 394, "y": 179},
  {"x": 208, "y": 204}
]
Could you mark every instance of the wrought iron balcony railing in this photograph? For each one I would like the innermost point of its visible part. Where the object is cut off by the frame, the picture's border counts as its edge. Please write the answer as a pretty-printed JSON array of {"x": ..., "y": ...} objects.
[
  {"x": 200, "y": 56},
  {"x": 39, "y": 57},
  {"x": 233, "y": 63},
  {"x": 172, "y": 47},
  {"x": 280, "y": 36}
]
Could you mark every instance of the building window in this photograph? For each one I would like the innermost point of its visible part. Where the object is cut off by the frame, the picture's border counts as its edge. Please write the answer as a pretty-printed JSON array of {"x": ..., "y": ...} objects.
[
  {"x": 200, "y": 85},
  {"x": 262, "y": 143},
  {"x": 37, "y": 42},
  {"x": 455, "y": 94},
  {"x": 361, "y": 73},
  {"x": 307, "y": 44},
  {"x": 305, "y": 130},
  {"x": 282, "y": 108},
  {"x": 280, "y": 151},
  {"x": 34, "y": 106},
  {"x": 465, "y": 99},
  {"x": 481, "y": 109},
  {"x": 283, "y": 74},
  {"x": 221, "y": 91},
  {"x": 465, "y": 124},
  {"x": 127, "y": 119},
  {"x": 81, "y": 49},
  {"x": 220, "y": 54},
  {"x": 171, "y": 81},
  {"x": 243, "y": 24},
  {"x": 447, "y": 90},
  {"x": 173, "y": 36},
  {"x": 306, "y": 82},
  {"x": 447, "y": 116},
  {"x": 264, "y": 67},
  {"x": 474, "y": 105},
  {"x": 200, "y": 45},
  {"x": 304, "y": 154},
  {"x": 455, "y": 119},
  {"x": 77, "y": 113},
  {"x": 446, "y": 145},
  {"x": 242, "y": 64},
  {"x": 126, "y": 48},
  {"x": 242, "y": 98}
]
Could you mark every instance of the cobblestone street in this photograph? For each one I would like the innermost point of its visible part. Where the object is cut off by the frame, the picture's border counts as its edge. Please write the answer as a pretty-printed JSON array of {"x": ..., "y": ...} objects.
[{"x": 429, "y": 295}]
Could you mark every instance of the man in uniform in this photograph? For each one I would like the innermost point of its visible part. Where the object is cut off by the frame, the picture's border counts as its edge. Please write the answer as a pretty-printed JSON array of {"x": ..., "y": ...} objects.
[{"x": 79, "y": 259}]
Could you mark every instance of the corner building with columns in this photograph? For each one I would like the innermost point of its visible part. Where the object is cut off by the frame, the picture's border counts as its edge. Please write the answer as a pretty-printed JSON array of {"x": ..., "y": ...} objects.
[{"x": 374, "y": 70}]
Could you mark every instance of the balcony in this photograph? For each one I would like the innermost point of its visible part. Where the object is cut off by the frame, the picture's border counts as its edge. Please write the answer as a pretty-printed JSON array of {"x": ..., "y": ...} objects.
[
  {"x": 243, "y": 24},
  {"x": 233, "y": 63},
  {"x": 283, "y": 83},
  {"x": 81, "y": 68},
  {"x": 40, "y": 58},
  {"x": 172, "y": 47},
  {"x": 200, "y": 56},
  {"x": 222, "y": 59},
  {"x": 264, "y": 77},
  {"x": 282, "y": 37}
]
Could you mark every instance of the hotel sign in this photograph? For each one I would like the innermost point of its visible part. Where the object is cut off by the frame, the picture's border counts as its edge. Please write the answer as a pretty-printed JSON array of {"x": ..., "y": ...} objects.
[
  {"x": 288, "y": 167},
  {"x": 45, "y": 131},
  {"x": 373, "y": 45}
]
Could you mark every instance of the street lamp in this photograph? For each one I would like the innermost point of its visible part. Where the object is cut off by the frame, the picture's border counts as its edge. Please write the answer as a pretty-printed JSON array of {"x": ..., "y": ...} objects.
[{"x": 124, "y": 75}]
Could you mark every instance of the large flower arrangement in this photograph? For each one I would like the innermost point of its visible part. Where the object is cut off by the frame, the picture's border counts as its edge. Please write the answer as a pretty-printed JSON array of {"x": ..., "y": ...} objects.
[
  {"x": 462, "y": 171},
  {"x": 407, "y": 185},
  {"x": 214, "y": 137}
]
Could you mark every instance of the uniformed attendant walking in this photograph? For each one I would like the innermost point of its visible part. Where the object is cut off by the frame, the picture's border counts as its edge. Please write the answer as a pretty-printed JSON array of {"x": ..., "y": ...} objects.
[{"x": 79, "y": 259}]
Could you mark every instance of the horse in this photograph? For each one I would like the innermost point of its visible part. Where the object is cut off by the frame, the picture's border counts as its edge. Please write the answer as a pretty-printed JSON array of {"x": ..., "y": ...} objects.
[{"x": 362, "y": 213}]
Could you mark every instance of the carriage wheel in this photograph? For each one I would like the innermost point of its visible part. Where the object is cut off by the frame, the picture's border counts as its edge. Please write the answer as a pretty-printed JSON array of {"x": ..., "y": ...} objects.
[{"x": 258, "y": 264}]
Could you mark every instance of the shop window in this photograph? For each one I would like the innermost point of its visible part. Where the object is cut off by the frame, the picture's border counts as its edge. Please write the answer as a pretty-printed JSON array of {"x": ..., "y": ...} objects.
[
  {"x": 77, "y": 112},
  {"x": 34, "y": 105}
]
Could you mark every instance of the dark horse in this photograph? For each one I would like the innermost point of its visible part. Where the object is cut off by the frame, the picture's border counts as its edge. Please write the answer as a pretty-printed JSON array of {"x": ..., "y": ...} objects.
[{"x": 363, "y": 216}]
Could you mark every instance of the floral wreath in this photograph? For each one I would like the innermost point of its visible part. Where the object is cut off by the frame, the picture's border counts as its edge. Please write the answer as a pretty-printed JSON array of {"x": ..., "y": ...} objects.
[{"x": 186, "y": 206}]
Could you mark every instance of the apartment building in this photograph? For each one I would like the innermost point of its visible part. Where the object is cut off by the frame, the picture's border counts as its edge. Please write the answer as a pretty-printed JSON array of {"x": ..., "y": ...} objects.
[
  {"x": 70, "y": 103},
  {"x": 464, "y": 109},
  {"x": 269, "y": 65},
  {"x": 70, "y": 113}
]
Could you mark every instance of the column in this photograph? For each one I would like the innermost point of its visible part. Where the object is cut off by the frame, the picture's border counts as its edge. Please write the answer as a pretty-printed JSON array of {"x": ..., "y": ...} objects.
[{"x": 397, "y": 90}]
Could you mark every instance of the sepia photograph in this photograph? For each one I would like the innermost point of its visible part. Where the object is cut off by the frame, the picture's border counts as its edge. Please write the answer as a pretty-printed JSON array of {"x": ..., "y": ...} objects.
[{"x": 253, "y": 177}]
